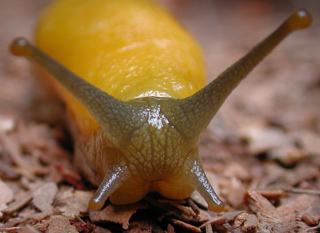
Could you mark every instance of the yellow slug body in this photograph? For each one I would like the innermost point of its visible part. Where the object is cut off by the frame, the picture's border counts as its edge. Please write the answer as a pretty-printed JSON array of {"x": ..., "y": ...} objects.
[
  {"x": 126, "y": 48},
  {"x": 136, "y": 74}
]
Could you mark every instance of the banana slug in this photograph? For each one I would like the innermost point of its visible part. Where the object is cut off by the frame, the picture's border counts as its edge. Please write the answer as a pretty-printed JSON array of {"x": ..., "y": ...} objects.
[{"x": 133, "y": 82}]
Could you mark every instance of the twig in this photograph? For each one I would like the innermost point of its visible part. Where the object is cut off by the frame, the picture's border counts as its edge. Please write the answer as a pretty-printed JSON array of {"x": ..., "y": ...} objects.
[{"x": 304, "y": 191}]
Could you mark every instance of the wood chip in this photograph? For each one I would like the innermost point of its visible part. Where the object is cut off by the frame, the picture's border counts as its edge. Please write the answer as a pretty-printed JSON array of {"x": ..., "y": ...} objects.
[
  {"x": 310, "y": 219},
  {"x": 44, "y": 195},
  {"x": 12, "y": 146},
  {"x": 240, "y": 219},
  {"x": 116, "y": 214},
  {"x": 208, "y": 228},
  {"x": 231, "y": 216},
  {"x": 70, "y": 176},
  {"x": 263, "y": 138},
  {"x": 71, "y": 203},
  {"x": 61, "y": 224},
  {"x": 251, "y": 223},
  {"x": 186, "y": 225},
  {"x": 301, "y": 203},
  {"x": 269, "y": 213},
  {"x": 304, "y": 191},
  {"x": 215, "y": 222},
  {"x": 28, "y": 229},
  {"x": 203, "y": 216},
  {"x": 83, "y": 227},
  {"x": 141, "y": 226},
  {"x": 17, "y": 204},
  {"x": 301, "y": 173},
  {"x": 9, "y": 229},
  {"x": 236, "y": 170},
  {"x": 276, "y": 194},
  {"x": 236, "y": 192},
  {"x": 310, "y": 141},
  {"x": 170, "y": 229},
  {"x": 7, "y": 173},
  {"x": 288, "y": 154},
  {"x": 101, "y": 230},
  {"x": 279, "y": 227},
  {"x": 6, "y": 195}
]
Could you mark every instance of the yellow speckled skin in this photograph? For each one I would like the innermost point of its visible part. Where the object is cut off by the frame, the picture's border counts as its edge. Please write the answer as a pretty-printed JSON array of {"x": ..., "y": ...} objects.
[{"x": 127, "y": 48}]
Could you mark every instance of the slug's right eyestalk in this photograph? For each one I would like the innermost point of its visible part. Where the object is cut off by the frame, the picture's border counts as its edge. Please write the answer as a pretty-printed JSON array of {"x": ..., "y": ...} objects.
[{"x": 203, "y": 105}]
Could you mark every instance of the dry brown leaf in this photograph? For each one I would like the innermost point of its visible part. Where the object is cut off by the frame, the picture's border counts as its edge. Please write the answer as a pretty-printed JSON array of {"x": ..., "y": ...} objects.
[
  {"x": 310, "y": 141},
  {"x": 236, "y": 170},
  {"x": 236, "y": 192},
  {"x": 70, "y": 175},
  {"x": 19, "y": 203},
  {"x": 61, "y": 224},
  {"x": 28, "y": 229},
  {"x": 43, "y": 225},
  {"x": 262, "y": 138},
  {"x": 301, "y": 203},
  {"x": 288, "y": 154},
  {"x": 269, "y": 213},
  {"x": 6, "y": 195},
  {"x": 302, "y": 173},
  {"x": 71, "y": 203},
  {"x": 141, "y": 227},
  {"x": 11, "y": 144},
  {"x": 44, "y": 196},
  {"x": 116, "y": 214}
]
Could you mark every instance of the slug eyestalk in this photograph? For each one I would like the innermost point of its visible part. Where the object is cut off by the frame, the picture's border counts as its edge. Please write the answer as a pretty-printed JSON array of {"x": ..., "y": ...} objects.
[{"x": 209, "y": 100}]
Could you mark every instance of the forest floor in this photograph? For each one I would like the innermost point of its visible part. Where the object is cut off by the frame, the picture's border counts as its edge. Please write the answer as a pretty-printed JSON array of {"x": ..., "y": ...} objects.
[{"x": 261, "y": 151}]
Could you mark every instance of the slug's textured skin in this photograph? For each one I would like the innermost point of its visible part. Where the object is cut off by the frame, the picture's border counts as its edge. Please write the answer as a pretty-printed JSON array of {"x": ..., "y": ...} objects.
[
  {"x": 136, "y": 74},
  {"x": 127, "y": 48}
]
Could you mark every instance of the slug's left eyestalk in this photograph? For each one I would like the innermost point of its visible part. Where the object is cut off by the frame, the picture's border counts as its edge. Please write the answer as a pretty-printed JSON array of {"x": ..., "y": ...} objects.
[{"x": 113, "y": 115}]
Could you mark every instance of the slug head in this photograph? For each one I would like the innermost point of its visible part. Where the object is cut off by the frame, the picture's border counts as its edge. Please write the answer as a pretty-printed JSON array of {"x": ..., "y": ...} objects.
[
  {"x": 153, "y": 142},
  {"x": 155, "y": 156}
]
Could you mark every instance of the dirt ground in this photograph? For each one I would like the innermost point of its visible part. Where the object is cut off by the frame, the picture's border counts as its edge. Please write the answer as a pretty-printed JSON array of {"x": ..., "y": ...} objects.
[{"x": 261, "y": 151}]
